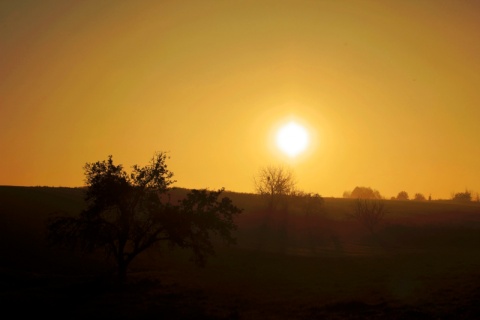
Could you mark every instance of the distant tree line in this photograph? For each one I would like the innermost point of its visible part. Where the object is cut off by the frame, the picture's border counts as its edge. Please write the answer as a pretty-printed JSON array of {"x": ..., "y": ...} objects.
[
  {"x": 369, "y": 193},
  {"x": 466, "y": 196},
  {"x": 403, "y": 195}
]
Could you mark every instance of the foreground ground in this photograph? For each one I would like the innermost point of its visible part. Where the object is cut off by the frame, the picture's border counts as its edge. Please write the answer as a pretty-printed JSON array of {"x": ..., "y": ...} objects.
[{"x": 423, "y": 264}]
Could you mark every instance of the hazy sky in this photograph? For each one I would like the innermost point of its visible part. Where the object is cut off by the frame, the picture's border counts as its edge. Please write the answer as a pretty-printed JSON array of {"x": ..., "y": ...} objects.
[{"x": 389, "y": 91}]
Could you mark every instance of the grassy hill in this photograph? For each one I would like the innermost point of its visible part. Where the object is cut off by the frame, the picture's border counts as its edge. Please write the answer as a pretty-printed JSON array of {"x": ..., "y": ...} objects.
[{"x": 423, "y": 263}]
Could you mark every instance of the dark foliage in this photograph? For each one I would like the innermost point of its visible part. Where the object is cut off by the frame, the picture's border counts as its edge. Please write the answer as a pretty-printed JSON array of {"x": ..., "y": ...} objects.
[
  {"x": 129, "y": 213},
  {"x": 363, "y": 193},
  {"x": 463, "y": 196},
  {"x": 419, "y": 197},
  {"x": 403, "y": 195}
]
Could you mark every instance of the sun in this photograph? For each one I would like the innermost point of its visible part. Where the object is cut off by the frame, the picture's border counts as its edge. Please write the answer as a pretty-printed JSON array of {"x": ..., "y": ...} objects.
[{"x": 292, "y": 139}]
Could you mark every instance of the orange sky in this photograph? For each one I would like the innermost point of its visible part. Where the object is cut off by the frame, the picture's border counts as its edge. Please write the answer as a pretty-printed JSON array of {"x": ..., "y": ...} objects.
[{"x": 389, "y": 91}]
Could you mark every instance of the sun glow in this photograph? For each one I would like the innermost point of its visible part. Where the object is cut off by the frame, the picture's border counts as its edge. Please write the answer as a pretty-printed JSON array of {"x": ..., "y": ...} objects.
[{"x": 292, "y": 139}]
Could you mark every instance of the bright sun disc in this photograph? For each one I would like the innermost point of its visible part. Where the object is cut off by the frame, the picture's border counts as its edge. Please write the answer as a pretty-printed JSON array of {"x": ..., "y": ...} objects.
[{"x": 292, "y": 139}]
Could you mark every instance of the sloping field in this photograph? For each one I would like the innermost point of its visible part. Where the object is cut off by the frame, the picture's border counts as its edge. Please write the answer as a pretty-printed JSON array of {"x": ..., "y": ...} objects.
[{"x": 423, "y": 263}]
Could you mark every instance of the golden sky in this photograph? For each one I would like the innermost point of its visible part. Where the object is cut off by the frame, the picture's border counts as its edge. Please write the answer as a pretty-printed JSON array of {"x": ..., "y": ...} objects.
[{"x": 389, "y": 91}]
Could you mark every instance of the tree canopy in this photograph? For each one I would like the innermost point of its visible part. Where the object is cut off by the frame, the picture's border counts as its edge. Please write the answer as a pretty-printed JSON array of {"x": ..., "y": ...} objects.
[
  {"x": 274, "y": 182},
  {"x": 463, "y": 196},
  {"x": 129, "y": 213},
  {"x": 363, "y": 193},
  {"x": 403, "y": 195},
  {"x": 419, "y": 197}
]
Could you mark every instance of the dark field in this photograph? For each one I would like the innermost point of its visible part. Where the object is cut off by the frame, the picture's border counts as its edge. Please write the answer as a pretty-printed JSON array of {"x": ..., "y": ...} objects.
[{"x": 423, "y": 263}]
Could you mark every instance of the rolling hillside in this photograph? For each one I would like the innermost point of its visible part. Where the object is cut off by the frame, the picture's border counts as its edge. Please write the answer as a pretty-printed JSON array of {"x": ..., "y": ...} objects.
[{"x": 424, "y": 260}]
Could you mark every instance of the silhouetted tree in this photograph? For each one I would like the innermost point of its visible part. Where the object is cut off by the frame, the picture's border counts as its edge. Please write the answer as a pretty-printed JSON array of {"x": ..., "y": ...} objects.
[
  {"x": 419, "y": 197},
  {"x": 275, "y": 183},
  {"x": 129, "y": 213},
  {"x": 369, "y": 212},
  {"x": 402, "y": 195},
  {"x": 463, "y": 196},
  {"x": 365, "y": 193}
]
